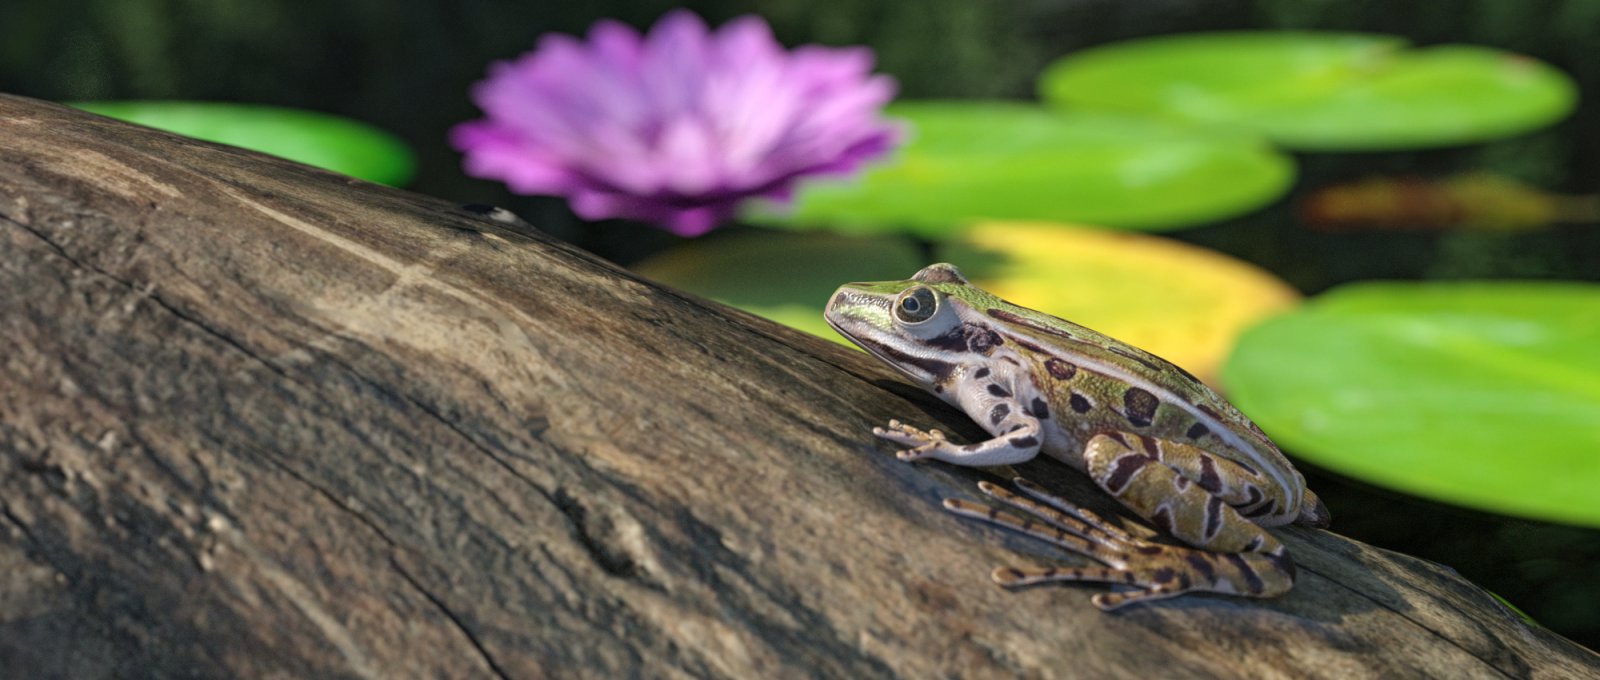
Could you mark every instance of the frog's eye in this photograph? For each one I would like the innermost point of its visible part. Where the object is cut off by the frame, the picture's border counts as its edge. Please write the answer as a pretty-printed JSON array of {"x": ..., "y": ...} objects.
[{"x": 916, "y": 305}]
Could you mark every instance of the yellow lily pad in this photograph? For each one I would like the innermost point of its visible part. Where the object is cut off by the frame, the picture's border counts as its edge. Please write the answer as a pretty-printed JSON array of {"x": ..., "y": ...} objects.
[{"x": 1182, "y": 302}]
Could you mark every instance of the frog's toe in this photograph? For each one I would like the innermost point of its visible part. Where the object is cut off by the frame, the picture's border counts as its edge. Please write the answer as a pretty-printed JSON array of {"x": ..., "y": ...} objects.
[
  {"x": 1017, "y": 577},
  {"x": 1145, "y": 587},
  {"x": 897, "y": 437},
  {"x": 906, "y": 435},
  {"x": 890, "y": 433},
  {"x": 923, "y": 450},
  {"x": 1109, "y": 601}
]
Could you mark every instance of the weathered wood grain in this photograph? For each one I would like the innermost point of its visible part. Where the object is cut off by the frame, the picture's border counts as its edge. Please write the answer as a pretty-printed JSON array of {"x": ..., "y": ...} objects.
[{"x": 258, "y": 420}]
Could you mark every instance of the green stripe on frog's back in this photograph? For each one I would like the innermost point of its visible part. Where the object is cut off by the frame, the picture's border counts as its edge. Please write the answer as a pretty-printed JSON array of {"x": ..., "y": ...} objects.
[{"x": 1153, "y": 382}]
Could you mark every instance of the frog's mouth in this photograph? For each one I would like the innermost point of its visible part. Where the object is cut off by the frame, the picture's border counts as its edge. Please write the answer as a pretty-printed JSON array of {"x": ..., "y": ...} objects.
[
  {"x": 853, "y": 315},
  {"x": 850, "y": 314},
  {"x": 854, "y": 339},
  {"x": 857, "y": 316}
]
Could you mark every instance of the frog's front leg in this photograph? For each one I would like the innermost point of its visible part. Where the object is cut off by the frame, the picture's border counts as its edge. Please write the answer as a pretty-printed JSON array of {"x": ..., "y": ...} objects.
[
  {"x": 1019, "y": 445},
  {"x": 989, "y": 399}
]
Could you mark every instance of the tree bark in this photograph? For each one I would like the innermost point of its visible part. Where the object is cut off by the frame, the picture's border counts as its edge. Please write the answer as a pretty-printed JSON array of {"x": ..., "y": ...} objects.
[{"x": 262, "y": 420}]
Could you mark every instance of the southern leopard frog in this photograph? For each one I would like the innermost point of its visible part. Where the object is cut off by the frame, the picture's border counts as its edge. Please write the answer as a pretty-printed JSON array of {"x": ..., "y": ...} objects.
[{"x": 1150, "y": 434}]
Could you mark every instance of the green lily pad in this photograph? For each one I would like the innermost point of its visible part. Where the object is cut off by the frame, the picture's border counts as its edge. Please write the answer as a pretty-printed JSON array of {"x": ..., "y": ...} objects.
[
  {"x": 1318, "y": 91},
  {"x": 317, "y": 139},
  {"x": 1480, "y": 394},
  {"x": 785, "y": 277},
  {"x": 1005, "y": 160},
  {"x": 1185, "y": 303}
]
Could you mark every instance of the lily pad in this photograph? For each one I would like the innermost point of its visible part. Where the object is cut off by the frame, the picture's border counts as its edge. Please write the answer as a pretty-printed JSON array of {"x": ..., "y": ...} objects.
[
  {"x": 1318, "y": 91},
  {"x": 1480, "y": 394},
  {"x": 785, "y": 277},
  {"x": 969, "y": 161},
  {"x": 1182, "y": 302},
  {"x": 317, "y": 139}
]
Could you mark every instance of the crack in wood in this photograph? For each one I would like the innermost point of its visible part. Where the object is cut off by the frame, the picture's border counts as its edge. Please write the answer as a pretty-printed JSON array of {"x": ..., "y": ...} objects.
[
  {"x": 149, "y": 295},
  {"x": 455, "y": 620}
]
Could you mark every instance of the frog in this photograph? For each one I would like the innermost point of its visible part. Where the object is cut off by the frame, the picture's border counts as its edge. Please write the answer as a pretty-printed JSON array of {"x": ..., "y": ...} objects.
[{"x": 1158, "y": 440}]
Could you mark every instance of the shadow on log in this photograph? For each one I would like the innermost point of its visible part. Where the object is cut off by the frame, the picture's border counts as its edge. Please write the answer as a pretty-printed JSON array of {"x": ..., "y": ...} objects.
[{"x": 261, "y": 420}]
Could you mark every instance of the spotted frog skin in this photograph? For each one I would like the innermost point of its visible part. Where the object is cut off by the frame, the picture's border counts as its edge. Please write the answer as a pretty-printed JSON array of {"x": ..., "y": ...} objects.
[{"x": 1148, "y": 433}]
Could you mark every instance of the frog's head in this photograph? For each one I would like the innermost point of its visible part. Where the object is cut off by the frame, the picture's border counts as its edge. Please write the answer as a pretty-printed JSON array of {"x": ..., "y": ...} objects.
[{"x": 923, "y": 326}]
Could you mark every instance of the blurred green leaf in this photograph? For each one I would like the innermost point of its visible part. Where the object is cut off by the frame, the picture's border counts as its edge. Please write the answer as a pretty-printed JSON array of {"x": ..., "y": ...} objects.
[
  {"x": 1182, "y": 302},
  {"x": 785, "y": 277},
  {"x": 1007, "y": 160},
  {"x": 317, "y": 139},
  {"x": 1318, "y": 91},
  {"x": 1480, "y": 394}
]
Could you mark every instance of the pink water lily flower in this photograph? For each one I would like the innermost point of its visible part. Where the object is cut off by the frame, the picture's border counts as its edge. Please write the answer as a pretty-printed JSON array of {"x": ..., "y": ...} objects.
[{"x": 676, "y": 127}]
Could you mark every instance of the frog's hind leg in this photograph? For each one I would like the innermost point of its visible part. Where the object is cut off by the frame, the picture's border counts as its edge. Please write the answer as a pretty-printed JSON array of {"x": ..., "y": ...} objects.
[
  {"x": 1237, "y": 484},
  {"x": 1239, "y": 556},
  {"x": 1133, "y": 530},
  {"x": 1126, "y": 556},
  {"x": 1065, "y": 525},
  {"x": 1232, "y": 554}
]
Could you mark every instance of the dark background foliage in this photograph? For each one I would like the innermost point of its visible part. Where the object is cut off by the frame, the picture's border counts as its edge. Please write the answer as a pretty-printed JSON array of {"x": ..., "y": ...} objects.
[{"x": 405, "y": 65}]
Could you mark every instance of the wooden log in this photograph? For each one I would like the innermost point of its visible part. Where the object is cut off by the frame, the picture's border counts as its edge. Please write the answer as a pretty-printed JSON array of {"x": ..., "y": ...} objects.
[{"x": 262, "y": 420}]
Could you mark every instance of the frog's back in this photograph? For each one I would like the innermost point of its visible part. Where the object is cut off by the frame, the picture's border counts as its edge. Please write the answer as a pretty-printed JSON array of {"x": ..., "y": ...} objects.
[{"x": 1102, "y": 380}]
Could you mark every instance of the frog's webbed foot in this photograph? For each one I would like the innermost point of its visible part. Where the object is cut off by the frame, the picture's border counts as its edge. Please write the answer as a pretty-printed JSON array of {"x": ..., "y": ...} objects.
[
  {"x": 1128, "y": 556},
  {"x": 920, "y": 443}
]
